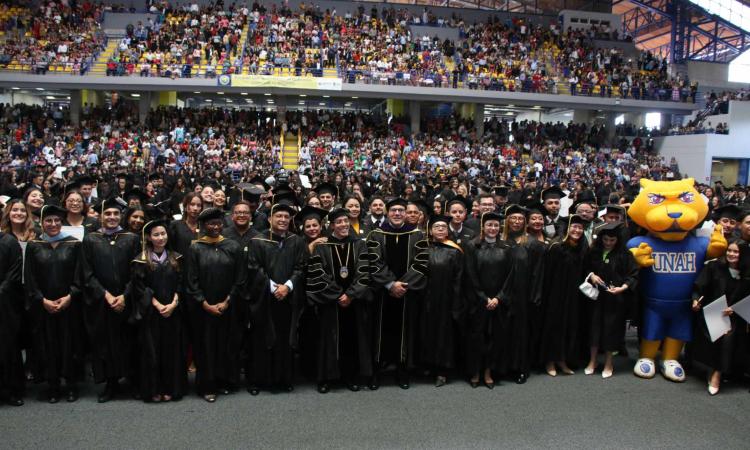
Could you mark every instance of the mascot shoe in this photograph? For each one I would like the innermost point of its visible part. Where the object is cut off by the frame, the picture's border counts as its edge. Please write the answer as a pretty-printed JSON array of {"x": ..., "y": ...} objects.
[
  {"x": 645, "y": 368},
  {"x": 672, "y": 370}
]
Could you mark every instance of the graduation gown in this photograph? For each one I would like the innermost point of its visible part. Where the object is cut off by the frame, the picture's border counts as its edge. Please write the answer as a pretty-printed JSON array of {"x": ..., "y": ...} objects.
[
  {"x": 215, "y": 271},
  {"x": 105, "y": 266},
  {"x": 273, "y": 323},
  {"x": 489, "y": 268},
  {"x": 524, "y": 314},
  {"x": 607, "y": 314},
  {"x": 11, "y": 303},
  {"x": 462, "y": 237},
  {"x": 161, "y": 340},
  {"x": 344, "y": 346},
  {"x": 729, "y": 353},
  {"x": 395, "y": 319},
  {"x": 51, "y": 273},
  {"x": 438, "y": 273},
  {"x": 563, "y": 303}
]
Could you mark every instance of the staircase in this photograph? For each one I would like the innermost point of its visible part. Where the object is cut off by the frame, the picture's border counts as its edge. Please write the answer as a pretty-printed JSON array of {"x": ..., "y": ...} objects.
[
  {"x": 100, "y": 66},
  {"x": 290, "y": 152}
]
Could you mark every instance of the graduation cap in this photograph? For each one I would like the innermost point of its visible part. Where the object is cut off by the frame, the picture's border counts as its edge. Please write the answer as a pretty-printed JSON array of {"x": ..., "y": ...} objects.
[
  {"x": 460, "y": 200},
  {"x": 210, "y": 214},
  {"x": 535, "y": 208},
  {"x": 52, "y": 210},
  {"x": 259, "y": 181},
  {"x": 500, "y": 191},
  {"x": 250, "y": 192},
  {"x": 397, "y": 201},
  {"x": 286, "y": 201},
  {"x": 336, "y": 213},
  {"x": 309, "y": 212},
  {"x": 583, "y": 197},
  {"x": 616, "y": 209},
  {"x": 85, "y": 179},
  {"x": 157, "y": 211},
  {"x": 138, "y": 193},
  {"x": 576, "y": 219},
  {"x": 515, "y": 209},
  {"x": 421, "y": 204},
  {"x": 329, "y": 188},
  {"x": 151, "y": 225},
  {"x": 153, "y": 176},
  {"x": 553, "y": 192},
  {"x": 727, "y": 211},
  {"x": 609, "y": 229},
  {"x": 439, "y": 219},
  {"x": 491, "y": 216},
  {"x": 111, "y": 203}
]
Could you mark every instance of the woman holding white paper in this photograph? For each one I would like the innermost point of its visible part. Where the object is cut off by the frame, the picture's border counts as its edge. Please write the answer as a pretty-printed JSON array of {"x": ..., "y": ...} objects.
[{"x": 719, "y": 277}]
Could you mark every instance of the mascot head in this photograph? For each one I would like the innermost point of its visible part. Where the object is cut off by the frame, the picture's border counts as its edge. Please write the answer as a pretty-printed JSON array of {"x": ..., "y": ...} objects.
[{"x": 668, "y": 209}]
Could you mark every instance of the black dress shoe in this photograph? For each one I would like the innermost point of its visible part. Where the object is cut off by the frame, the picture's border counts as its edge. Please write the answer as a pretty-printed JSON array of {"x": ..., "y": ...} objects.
[
  {"x": 53, "y": 397},
  {"x": 107, "y": 394},
  {"x": 323, "y": 388},
  {"x": 474, "y": 384},
  {"x": 403, "y": 384},
  {"x": 14, "y": 401},
  {"x": 490, "y": 385},
  {"x": 72, "y": 396},
  {"x": 353, "y": 387},
  {"x": 253, "y": 389},
  {"x": 373, "y": 385},
  {"x": 521, "y": 379},
  {"x": 223, "y": 391}
]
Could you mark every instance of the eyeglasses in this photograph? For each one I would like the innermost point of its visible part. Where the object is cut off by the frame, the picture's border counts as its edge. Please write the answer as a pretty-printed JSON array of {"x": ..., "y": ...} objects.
[{"x": 241, "y": 213}]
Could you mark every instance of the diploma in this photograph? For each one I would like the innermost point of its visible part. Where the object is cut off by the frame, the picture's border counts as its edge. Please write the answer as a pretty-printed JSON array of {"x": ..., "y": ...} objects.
[{"x": 717, "y": 323}]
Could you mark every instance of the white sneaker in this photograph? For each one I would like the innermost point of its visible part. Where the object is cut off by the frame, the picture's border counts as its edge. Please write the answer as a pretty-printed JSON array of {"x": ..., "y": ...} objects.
[
  {"x": 645, "y": 368},
  {"x": 672, "y": 370}
]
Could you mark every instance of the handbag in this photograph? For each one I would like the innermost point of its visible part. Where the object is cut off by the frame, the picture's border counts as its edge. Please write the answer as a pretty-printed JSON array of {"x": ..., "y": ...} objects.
[{"x": 588, "y": 289}]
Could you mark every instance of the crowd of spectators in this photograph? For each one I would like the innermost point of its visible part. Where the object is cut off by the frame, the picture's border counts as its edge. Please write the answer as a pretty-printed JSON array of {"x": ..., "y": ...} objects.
[
  {"x": 180, "y": 40},
  {"x": 374, "y": 45},
  {"x": 57, "y": 35},
  {"x": 238, "y": 145}
]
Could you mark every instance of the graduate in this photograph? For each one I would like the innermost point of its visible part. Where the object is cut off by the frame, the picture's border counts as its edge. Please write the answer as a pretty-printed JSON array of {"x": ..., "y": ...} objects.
[
  {"x": 437, "y": 274},
  {"x": 215, "y": 278},
  {"x": 11, "y": 362},
  {"x": 614, "y": 269},
  {"x": 106, "y": 255},
  {"x": 563, "y": 302},
  {"x": 338, "y": 289},
  {"x": 554, "y": 223},
  {"x": 395, "y": 310},
  {"x": 457, "y": 209},
  {"x": 184, "y": 231},
  {"x": 53, "y": 296},
  {"x": 527, "y": 260},
  {"x": 275, "y": 274},
  {"x": 488, "y": 272},
  {"x": 157, "y": 281},
  {"x": 728, "y": 355}
]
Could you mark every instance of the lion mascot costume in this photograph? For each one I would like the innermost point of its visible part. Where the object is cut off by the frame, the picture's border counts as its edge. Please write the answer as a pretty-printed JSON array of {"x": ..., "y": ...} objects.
[{"x": 670, "y": 258}]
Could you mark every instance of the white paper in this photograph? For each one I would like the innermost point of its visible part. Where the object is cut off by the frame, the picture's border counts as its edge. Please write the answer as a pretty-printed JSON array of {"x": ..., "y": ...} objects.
[
  {"x": 75, "y": 231},
  {"x": 718, "y": 324},
  {"x": 742, "y": 308}
]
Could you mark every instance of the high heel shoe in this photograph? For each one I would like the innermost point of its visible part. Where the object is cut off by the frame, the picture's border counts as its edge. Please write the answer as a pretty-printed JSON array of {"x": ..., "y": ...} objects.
[
  {"x": 474, "y": 383},
  {"x": 440, "y": 381},
  {"x": 490, "y": 384},
  {"x": 712, "y": 390},
  {"x": 607, "y": 373},
  {"x": 552, "y": 372},
  {"x": 589, "y": 370}
]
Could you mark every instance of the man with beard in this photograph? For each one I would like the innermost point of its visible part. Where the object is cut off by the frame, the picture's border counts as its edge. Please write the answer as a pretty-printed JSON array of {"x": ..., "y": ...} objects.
[
  {"x": 393, "y": 248},
  {"x": 554, "y": 223}
]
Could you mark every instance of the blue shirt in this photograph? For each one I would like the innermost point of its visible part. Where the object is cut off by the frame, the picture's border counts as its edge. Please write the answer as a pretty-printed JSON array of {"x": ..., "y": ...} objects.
[{"x": 676, "y": 267}]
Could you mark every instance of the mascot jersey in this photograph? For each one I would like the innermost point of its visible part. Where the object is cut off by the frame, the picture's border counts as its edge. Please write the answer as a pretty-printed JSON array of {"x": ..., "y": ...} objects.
[{"x": 676, "y": 266}]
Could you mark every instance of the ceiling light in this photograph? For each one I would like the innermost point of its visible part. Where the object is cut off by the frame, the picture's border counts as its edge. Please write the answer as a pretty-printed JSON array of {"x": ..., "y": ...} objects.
[
  {"x": 209, "y": 100},
  {"x": 220, "y": 93},
  {"x": 136, "y": 95},
  {"x": 39, "y": 89},
  {"x": 243, "y": 93},
  {"x": 196, "y": 92},
  {"x": 229, "y": 100},
  {"x": 511, "y": 106},
  {"x": 267, "y": 94},
  {"x": 303, "y": 95},
  {"x": 326, "y": 96},
  {"x": 16, "y": 88},
  {"x": 322, "y": 103},
  {"x": 355, "y": 97},
  {"x": 49, "y": 97},
  {"x": 249, "y": 100}
]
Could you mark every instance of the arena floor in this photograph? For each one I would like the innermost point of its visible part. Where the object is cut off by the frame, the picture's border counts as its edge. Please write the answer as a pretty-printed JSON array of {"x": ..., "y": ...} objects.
[{"x": 565, "y": 412}]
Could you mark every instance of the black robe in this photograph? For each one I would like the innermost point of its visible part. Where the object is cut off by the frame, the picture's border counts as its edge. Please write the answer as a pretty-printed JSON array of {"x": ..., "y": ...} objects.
[
  {"x": 729, "y": 353},
  {"x": 105, "y": 266},
  {"x": 464, "y": 236},
  {"x": 438, "y": 274},
  {"x": 215, "y": 271},
  {"x": 51, "y": 273},
  {"x": 344, "y": 347},
  {"x": 161, "y": 340},
  {"x": 11, "y": 303},
  {"x": 607, "y": 314},
  {"x": 563, "y": 303},
  {"x": 395, "y": 323},
  {"x": 489, "y": 268},
  {"x": 273, "y": 323}
]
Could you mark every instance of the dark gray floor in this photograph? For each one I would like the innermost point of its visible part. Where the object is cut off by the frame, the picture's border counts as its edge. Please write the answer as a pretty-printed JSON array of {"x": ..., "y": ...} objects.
[{"x": 568, "y": 411}]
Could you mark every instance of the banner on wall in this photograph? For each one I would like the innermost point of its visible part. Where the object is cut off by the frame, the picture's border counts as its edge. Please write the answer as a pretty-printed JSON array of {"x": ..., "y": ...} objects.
[{"x": 271, "y": 81}]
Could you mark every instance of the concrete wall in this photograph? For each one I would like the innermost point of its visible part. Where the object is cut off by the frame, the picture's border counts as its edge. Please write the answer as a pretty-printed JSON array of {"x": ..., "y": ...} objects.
[
  {"x": 696, "y": 152},
  {"x": 711, "y": 75},
  {"x": 16, "y": 98},
  {"x": 443, "y": 33},
  {"x": 118, "y": 21}
]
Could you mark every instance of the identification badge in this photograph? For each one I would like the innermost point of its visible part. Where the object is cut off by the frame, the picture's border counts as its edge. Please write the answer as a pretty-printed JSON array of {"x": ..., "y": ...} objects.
[{"x": 344, "y": 272}]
